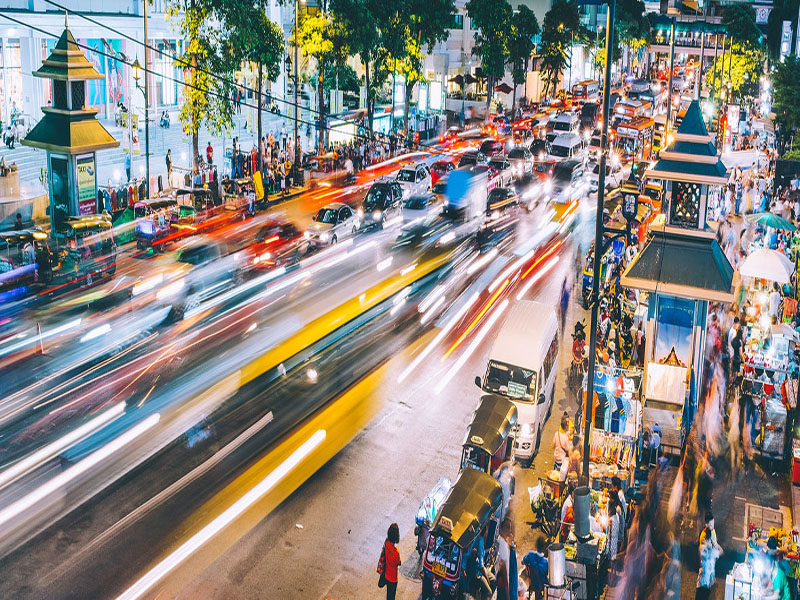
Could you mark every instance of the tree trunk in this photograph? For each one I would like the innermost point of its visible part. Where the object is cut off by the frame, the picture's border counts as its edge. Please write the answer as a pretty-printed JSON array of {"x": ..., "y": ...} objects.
[
  {"x": 321, "y": 94},
  {"x": 489, "y": 89},
  {"x": 514, "y": 99},
  {"x": 258, "y": 114},
  {"x": 196, "y": 119},
  {"x": 409, "y": 90},
  {"x": 367, "y": 98}
]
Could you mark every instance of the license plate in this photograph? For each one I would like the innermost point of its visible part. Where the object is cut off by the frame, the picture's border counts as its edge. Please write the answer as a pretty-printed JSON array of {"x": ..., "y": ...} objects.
[{"x": 439, "y": 569}]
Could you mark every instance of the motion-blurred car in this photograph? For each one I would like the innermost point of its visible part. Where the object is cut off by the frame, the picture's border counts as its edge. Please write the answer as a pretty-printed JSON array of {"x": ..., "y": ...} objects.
[
  {"x": 415, "y": 179},
  {"x": 421, "y": 207},
  {"x": 538, "y": 148},
  {"x": 332, "y": 223},
  {"x": 382, "y": 203},
  {"x": 472, "y": 158},
  {"x": 441, "y": 168},
  {"x": 503, "y": 167},
  {"x": 569, "y": 182},
  {"x": 451, "y": 135},
  {"x": 491, "y": 147},
  {"x": 493, "y": 180},
  {"x": 277, "y": 243},
  {"x": 521, "y": 161},
  {"x": 614, "y": 177}
]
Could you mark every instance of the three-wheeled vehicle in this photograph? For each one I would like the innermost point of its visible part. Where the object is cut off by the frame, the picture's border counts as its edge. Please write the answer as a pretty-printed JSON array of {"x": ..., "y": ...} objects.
[
  {"x": 239, "y": 193},
  {"x": 487, "y": 445},
  {"x": 208, "y": 206},
  {"x": 470, "y": 510},
  {"x": 86, "y": 250},
  {"x": 160, "y": 221},
  {"x": 25, "y": 259}
]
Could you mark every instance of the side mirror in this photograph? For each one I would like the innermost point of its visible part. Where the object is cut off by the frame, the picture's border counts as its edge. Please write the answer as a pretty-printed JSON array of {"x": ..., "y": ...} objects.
[
  {"x": 478, "y": 380},
  {"x": 541, "y": 399}
]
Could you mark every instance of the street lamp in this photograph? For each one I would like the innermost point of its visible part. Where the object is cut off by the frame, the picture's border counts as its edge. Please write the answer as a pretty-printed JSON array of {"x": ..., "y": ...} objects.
[{"x": 137, "y": 68}]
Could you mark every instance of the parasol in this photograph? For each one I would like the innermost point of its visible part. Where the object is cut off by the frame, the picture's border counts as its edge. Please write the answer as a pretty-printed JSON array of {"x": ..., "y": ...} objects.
[
  {"x": 767, "y": 264},
  {"x": 470, "y": 79},
  {"x": 771, "y": 220},
  {"x": 458, "y": 79},
  {"x": 503, "y": 88}
]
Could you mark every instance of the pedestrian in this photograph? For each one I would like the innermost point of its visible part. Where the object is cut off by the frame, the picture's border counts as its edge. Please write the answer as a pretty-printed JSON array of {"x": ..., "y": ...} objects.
[
  {"x": 561, "y": 445},
  {"x": 709, "y": 551},
  {"x": 390, "y": 561},
  {"x": 128, "y": 165},
  {"x": 774, "y": 300},
  {"x": 18, "y": 222},
  {"x": 502, "y": 566},
  {"x": 536, "y": 567},
  {"x": 564, "y": 302},
  {"x": 169, "y": 165},
  {"x": 209, "y": 154}
]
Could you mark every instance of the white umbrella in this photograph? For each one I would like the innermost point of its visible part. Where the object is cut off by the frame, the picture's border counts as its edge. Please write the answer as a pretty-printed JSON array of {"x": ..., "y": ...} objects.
[{"x": 767, "y": 264}]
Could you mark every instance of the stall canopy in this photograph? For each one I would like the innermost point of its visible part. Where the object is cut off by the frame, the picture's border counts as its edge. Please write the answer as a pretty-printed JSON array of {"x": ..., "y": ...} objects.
[
  {"x": 771, "y": 220},
  {"x": 767, "y": 264}
]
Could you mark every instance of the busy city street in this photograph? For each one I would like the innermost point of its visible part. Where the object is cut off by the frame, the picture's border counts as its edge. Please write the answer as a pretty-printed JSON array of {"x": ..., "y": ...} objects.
[{"x": 457, "y": 300}]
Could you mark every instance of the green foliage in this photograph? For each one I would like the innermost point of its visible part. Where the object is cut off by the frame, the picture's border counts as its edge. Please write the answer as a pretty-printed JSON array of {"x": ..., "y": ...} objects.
[
  {"x": 561, "y": 24},
  {"x": 740, "y": 21},
  {"x": 785, "y": 94},
  {"x": 745, "y": 63},
  {"x": 792, "y": 154},
  {"x": 252, "y": 35},
  {"x": 631, "y": 25},
  {"x": 782, "y": 10},
  {"x": 492, "y": 21},
  {"x": 344, "y": 74},
  {"x": 520, "y": 44}
]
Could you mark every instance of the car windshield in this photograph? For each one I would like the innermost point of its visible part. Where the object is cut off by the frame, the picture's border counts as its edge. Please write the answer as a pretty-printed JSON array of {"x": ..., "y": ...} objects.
[
  {"x": 376, "y": 198},
  {"x": 487, "y": 147},
  {"x": 516, "y": 153},
  {"x": 561, "y": 151},
  {"x": 196, "y": 255},
  {"x": 563, "y": 125},
  {"x": 416, "y": 202},
  {"x": 498, "y": 164},
  {"x": 439, "y": 168},
  {"x": 405, "y": 175},
  {"x": 595, "y": 141},
  {"x": 579, "y": 90},
  {"x": 469, "y": 159},
  {"x": 596, "y": 169},
  {"x": 515, "y": 382},
  {"x": 562, "y": 174},
  {"x": 326, "y": 215}
]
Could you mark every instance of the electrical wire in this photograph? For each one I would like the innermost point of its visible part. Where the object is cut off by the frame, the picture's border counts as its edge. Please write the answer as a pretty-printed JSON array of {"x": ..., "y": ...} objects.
[
  {"x": 174, "y": 57},
  {"x": 163, "y": 76}
]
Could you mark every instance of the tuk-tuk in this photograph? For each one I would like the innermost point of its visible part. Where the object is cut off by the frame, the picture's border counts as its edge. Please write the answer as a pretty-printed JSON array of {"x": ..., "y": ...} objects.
[
  {"x": 239, "y": 193},
  {"x": 161, "y": 220},
  {"x": 486, "y": 445},
  {"x": 25, "y": 259},
  {"x": 87, "y": 250},
  {"x": 470, "y": 510},
  {"x": 205, "y": 201}
]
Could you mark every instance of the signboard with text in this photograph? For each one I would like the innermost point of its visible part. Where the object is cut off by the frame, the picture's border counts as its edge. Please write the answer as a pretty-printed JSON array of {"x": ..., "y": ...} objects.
[{"x": 87, "y": 190}]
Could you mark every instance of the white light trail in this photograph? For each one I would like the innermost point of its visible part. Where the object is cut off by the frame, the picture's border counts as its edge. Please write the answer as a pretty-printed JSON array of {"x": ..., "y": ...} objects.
[
  {"x": 482, "y": 261},
  {"x": 60, "y": 444},
  {"x": 536, "y": 277},
  {"x": 472, "y": 347},
  {"x": 26, "y": 502},
  {"x": 219, "y": 523}
]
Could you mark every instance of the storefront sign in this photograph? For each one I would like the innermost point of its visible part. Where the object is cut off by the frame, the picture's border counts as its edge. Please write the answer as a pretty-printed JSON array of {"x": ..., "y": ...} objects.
[{"x": 87, "y": 199}]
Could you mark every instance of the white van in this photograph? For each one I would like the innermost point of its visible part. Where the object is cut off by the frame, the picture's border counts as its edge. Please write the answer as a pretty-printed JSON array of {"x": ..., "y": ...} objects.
[
  {"x": 567, "y": 122},
  {"x": 522, "y": 366},
  {"x": 565, "y": 146}
]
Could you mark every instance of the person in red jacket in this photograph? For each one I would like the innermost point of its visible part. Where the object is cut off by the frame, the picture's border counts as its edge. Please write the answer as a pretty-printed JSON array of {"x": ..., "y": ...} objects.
[{"x": 392, "y": 560}]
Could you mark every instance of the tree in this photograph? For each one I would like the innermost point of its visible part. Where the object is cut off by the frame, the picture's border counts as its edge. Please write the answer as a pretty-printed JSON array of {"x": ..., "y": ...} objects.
[
  {"x": 561, "y": 24},
  {"x": 782, "y": 10},
  {"x": 208, "y": 70},
  {"x": 520, "y": 46},
  {"x": 321, "y": 37},
  {"x": 361, "y": 33},
  {"x": 254, "y": 37},
  {"x": 785, "y": 92},
  {"x": 341, "y": 77},
  {"x": 492, "y": 21},
  {"x": 631, "y": 27},
  {"x": 740, "y": 21}
]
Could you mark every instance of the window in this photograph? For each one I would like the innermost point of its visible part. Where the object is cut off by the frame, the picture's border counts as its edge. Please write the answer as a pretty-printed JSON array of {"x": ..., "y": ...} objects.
[
  {"x": 685, "y": 205},
  {"x": 550, "y": 359},
  {"x": 11, "y": 83},
  {"x": 458, "y": 22}
]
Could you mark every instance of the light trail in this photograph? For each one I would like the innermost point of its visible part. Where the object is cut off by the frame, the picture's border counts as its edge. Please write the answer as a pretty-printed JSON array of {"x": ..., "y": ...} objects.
[
  {"x": 477, "y": 319},
  {"x": 539, "y": 274}
]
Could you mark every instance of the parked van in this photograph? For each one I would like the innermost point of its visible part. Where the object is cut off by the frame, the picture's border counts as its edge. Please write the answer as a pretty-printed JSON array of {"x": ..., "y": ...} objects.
[
  {"x": 565, "y": 146},
  {"x": 522, "y": 366}
]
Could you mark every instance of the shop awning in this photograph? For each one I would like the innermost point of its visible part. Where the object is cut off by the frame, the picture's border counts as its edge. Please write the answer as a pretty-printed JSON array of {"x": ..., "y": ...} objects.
[{"x": 677, "y": 264}]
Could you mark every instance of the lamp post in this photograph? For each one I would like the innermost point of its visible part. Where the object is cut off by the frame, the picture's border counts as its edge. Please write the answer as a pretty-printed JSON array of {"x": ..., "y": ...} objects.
[{"x": 296, "y": 106}]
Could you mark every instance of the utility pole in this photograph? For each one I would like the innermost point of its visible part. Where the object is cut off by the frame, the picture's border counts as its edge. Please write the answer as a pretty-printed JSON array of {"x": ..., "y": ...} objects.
[
  {"x": 702, "y": 60},
  {"x": 598, "y": 246},
  {"x": 714, "y": 77},
  {"x": 146, "y": 106},
  {"x": 296, "y": 105},
  {"x": 668, "y": 124}
]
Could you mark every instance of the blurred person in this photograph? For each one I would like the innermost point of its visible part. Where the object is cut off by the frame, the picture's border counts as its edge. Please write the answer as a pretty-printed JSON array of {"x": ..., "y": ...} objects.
[
  {"x": 18, "y": 223},
  {"x": 774, "y": 300},
  {"x": 561, "y": 443},
  {"x": 536, "y": 567},
  {"x": 210, "y": 154},
  {"x": 709, "y": 551},
  {"x": 502, "y": 564}
]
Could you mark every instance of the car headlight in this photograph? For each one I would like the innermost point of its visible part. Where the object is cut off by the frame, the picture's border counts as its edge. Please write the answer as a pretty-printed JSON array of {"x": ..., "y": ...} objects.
[
  {"x": 266, "y": 256},
  {"x": 360, "y": 213},
  {"x": 325, "y": 236},
  {"x": 307, "y": 235},
  {"x": 376, "y": 215}
]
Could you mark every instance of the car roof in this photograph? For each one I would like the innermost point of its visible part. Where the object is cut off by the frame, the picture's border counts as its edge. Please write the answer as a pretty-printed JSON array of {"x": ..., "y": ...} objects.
[{"x": 336, "y": 205}]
